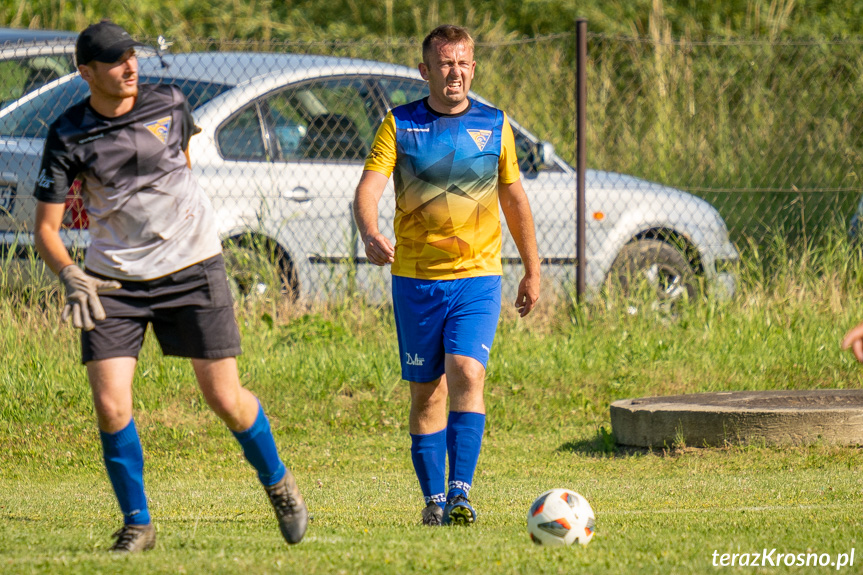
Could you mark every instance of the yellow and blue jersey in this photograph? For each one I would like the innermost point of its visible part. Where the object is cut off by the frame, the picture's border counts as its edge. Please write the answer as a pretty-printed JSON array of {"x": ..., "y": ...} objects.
[{"x": 446, "y": 170}]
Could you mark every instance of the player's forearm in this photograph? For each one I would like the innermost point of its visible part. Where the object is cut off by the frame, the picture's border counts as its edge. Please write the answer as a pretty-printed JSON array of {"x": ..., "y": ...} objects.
[
  {"x": 366, "y": 216},
  {"x": 525, "y": 241},
  {"x": 53, "y": 252},
  {"x": 519, "y": 219},
  {"x": 46, "y": 235},
  {"x": 366, "y": 200}
]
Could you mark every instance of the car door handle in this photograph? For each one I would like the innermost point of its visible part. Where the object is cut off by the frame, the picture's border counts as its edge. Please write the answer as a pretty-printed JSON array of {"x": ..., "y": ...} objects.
[{"x": 298, "y": 194}]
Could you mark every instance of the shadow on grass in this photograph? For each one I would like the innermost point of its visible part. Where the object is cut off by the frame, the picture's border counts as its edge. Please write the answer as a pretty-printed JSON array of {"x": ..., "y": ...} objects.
[
  {"x": 601, "y": 445},
  {"x": 604, "y": 445}
]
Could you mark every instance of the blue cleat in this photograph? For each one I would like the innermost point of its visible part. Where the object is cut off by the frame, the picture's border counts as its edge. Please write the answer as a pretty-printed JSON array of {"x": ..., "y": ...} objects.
[{"x": 458, "y": 511}]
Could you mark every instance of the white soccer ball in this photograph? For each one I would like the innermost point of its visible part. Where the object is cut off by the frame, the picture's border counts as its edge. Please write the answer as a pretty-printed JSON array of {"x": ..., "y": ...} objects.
[{"x": 560, "y": 517}]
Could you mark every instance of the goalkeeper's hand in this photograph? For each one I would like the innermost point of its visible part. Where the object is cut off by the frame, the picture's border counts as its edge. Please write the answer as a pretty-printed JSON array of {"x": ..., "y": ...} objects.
[{"x": 82, "y": 297}]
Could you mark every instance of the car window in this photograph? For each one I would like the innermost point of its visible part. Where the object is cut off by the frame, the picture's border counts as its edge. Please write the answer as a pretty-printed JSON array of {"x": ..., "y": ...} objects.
[
  {"x": 197, "y": 92},
  {"x": 32, "y": 118},
  {"x": 400, "y": 91},
  {"x": 326, "y": 120},
  {"x": 21, "y": 76},
  {"x": 528, "y": 156},
  {"x": 240, "y": 138}
]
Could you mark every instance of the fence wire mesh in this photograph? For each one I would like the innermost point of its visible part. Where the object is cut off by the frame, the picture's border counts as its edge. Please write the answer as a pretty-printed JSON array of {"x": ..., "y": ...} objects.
[
  {"x": 769, "y": 133},
  {"x": 686, "y": 142}
]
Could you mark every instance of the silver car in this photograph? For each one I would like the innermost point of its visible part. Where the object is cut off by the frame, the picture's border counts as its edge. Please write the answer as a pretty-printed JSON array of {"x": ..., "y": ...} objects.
[{"x": 281, "y": 149}]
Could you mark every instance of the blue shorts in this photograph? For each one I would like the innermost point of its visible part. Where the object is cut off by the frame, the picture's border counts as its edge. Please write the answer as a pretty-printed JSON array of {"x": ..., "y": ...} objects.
[{"x": 438, "y": 317}]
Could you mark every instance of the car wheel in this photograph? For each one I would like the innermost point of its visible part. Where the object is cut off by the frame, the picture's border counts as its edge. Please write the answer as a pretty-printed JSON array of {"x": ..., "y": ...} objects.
[
  {"x": 656, "y": 271},
  {"x": 258, "y": 269}
]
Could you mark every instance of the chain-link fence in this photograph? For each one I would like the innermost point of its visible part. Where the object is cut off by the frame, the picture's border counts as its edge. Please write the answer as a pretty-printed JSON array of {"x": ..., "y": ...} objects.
[
  {"x": 769, "y": 133},
  {"x": 766, "y": 133}
]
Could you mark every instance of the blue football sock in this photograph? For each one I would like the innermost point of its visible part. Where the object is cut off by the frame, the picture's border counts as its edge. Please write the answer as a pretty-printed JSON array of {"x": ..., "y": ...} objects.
[
  {"x": 124, "y": 460},
  {"x": 259, "y": 447},
  {"x": 428, "y": 453},
  {"x": 463, "y": 441}
]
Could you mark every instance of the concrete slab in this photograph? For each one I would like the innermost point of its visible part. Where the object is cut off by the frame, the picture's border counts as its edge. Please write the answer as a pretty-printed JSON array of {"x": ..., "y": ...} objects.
[{"x": 793, "y": 417}]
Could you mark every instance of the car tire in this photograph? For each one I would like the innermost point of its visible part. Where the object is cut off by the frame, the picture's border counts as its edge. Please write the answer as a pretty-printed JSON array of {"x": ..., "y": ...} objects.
[
  {"x": 657, "y": 267},
  {"x": 258, "y": 269}
]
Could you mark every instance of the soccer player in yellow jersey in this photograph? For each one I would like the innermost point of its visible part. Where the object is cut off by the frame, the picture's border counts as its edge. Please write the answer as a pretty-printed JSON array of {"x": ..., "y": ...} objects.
[{"x": 453, "y": 161}]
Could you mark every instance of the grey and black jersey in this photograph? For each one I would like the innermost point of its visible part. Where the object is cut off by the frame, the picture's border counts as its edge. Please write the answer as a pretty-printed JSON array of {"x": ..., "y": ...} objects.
[{"x": 148, "y": 217}]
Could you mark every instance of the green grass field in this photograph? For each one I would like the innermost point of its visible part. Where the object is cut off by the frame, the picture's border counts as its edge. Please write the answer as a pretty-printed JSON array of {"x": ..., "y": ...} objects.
[{"x": 329, "y": 380}]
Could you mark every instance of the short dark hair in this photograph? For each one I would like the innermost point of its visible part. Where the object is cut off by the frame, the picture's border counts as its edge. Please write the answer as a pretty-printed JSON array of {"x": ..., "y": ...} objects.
[{"x": 446, "y": 34}]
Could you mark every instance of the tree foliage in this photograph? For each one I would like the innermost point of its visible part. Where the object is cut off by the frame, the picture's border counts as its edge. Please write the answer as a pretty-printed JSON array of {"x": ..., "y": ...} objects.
[{"x": 490, "y": 19}]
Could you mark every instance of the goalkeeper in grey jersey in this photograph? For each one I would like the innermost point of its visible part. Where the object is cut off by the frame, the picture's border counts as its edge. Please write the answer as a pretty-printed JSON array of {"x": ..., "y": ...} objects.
[{"x": 154, "y": 259}]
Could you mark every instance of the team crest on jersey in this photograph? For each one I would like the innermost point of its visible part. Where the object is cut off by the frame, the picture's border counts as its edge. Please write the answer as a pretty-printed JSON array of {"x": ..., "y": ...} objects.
[
  {"x": 480, "y": 137},
  {"x": 160, "y": 128}
]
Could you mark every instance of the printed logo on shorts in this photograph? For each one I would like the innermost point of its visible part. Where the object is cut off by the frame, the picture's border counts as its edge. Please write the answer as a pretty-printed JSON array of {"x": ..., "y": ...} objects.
[
  {"x": 160, "y": 128},
  {"x": 480, "y": 137},
  {"x": 415, "y": 359}
]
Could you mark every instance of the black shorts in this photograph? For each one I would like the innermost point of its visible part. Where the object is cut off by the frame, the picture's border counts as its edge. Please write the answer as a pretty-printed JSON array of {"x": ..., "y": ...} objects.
[{"x": 191, "y": 311}]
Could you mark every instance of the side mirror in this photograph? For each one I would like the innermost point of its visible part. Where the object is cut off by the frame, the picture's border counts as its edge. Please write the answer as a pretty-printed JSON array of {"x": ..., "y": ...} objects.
[
  {"x": 540, "y": 156},
  {"x": 545, "y": 154}
]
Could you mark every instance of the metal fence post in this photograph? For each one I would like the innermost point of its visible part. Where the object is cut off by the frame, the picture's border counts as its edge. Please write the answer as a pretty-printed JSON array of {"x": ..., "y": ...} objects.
[{"x": 581, "y": 154}]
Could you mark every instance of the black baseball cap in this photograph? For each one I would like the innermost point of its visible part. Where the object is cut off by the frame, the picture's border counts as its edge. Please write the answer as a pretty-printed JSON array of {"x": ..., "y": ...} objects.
[{"x": 103, "y": 42}]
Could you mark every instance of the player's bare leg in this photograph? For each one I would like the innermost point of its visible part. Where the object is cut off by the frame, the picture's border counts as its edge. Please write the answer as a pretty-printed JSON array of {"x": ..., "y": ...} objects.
[
  {"x": 219, "y": 381},
  {"x": 428, "y": 406},
  {"x": 466, "y": 378},
  {"x": 111, "y": 385},
  {"x": 240, "y": 410}
]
